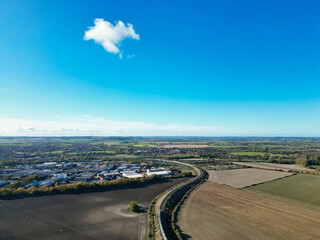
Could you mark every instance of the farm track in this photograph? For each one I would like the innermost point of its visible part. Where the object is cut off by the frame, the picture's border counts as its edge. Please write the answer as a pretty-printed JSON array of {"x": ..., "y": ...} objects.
[{"x": 213, "y": 211}]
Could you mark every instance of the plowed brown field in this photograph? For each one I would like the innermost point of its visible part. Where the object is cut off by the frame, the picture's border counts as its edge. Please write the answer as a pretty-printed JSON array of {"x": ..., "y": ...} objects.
[
  {"x": 240, "y": 178},
  {"x": 96, "y": 215},
  {"x": 214, "y": 211}
]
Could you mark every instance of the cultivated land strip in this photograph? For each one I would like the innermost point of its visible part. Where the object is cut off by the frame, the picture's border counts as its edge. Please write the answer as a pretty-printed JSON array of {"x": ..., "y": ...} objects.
[
  {"x": 214, "y": 211},
  {"x": 301, "y": 187},
  {"x": 241, "y": 178},
  {"x": 275, "y": 166}
]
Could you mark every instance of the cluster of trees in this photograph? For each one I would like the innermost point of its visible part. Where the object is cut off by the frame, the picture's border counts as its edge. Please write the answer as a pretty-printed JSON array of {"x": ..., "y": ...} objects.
[
  {"x": 134, "y": 207},
  {"x": 186, "y": 174},
  {"x": 277, "y": 159},
  {"x": 304, "y": 160},
  {"x": 307, "y": 160},
  {"x": 73, "y": 188}
]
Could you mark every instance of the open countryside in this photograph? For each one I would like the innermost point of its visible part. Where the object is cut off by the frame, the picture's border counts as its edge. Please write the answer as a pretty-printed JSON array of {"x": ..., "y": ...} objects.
[
  {"x": 240, "y": 178},
  {"x": 48, "y": 193},
  {"x": 214, "y": 211},
  {"x": 275, "y": 166}
]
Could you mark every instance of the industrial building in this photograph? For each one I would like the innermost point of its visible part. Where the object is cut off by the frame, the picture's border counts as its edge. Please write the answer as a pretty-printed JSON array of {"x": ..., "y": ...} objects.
[{"x": 158, "y": 172}]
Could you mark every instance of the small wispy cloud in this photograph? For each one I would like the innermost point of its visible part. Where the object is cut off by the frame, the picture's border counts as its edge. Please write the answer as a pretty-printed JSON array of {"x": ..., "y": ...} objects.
[
  {"x": 131, "y": 55},
  {"x": 110, "y": 36}
]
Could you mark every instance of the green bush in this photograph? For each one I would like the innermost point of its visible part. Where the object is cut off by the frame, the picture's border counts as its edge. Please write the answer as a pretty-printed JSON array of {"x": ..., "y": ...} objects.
[
  {"x": 134, "y": 207},
  {"x": 187, "y": 174}
]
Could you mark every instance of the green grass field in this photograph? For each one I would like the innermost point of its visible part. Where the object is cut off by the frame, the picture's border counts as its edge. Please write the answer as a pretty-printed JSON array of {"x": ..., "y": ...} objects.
[
  {"x": 254, "y": 154},
  {"x": 193, "y": 159},
  {"x": 123, "y": 156},
  {"x": 249, "y": 153},
  {"x": 302, "y": 187},
  {"x": 60, "y": 151},
  {"x": 102, "y": 152},
  {"x": 141, "y": 145}
]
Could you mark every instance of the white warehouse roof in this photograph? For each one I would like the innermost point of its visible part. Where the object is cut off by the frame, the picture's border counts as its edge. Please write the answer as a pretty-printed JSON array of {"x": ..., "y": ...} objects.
[
  {"x": 159, "y": 173},
  {"x": 132, "y": 175}
]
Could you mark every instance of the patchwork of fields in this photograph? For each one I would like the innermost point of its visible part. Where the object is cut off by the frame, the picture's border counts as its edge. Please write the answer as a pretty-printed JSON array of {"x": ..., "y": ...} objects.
[
  {"x": 214, "y": 211},
  {"x": 304, "y": 188},
  {"x": 240, "y": 178}
]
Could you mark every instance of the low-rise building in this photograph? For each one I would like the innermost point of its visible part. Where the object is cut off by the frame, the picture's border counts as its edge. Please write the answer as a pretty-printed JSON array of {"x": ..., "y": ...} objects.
[
  {"x": 158, "y": 172},
  {"x": 84, "y": 177},
  {"x": 132, "y": 174},
  {"x": 3, "y": 183},
  {"x": 59, "y": 177},
  {"x": 32, "y": 184},
  {"x": 46, "y": 182}
]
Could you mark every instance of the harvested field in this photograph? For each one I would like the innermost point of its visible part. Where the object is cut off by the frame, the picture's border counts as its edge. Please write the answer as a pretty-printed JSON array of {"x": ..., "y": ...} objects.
[
  {"x": 240, "y": 178},
  {"x": 214, "y": 211},
  {"x": 98, "y": 215},
  {"x": 184, "y": 146},
  {"x": 304, "y": 188},
  {"x": 275, "y": 166}
]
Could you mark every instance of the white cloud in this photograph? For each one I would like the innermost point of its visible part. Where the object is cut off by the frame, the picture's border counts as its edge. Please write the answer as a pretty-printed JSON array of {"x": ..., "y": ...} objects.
[
  {"x": 110, "y": 36},
  {"x": 131, "y": 55},
  {"x": 87, "y": 125},
  {"x": 96, "y": 126}
]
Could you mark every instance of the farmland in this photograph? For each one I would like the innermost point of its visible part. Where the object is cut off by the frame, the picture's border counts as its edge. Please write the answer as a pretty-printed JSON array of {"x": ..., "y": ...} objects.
[
  {"x": 184, "y": 146},
  {"x": 99, "y": 215},
  {"x": 302, "y": 187},
  {"x": 274, "y": 166},
  {"x": 249, "y": 153},
  {"x": 253, "y": 154},
  {"x": 240, "y": 178},
  {"x": 214, "y": 211},
  {"x": 219, "y": 211}
]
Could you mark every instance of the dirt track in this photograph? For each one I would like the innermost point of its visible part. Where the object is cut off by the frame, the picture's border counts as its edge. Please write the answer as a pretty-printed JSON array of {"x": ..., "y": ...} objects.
[
  {"x": 214, "y": 211},
  {"x": 99, "y": 215}
]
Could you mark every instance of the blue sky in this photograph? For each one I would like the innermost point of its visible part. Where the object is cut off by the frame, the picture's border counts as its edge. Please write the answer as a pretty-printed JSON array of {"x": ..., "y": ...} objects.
[{"x": 215, "y": 68}]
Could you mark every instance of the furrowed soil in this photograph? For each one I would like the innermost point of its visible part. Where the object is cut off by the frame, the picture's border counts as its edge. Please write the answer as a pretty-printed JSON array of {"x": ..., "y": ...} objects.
[
  {"x": 98, "y": 215},
  {"x": 240, "y": 178},
  {"x": 214, "y": 211},
  {"x": 275, "y": 166}
]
